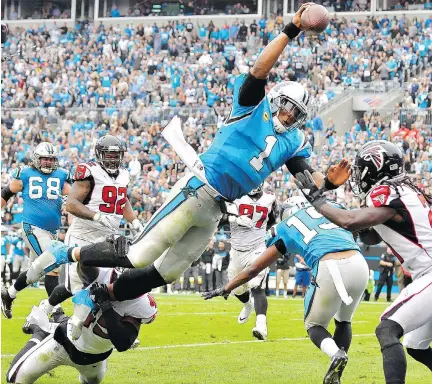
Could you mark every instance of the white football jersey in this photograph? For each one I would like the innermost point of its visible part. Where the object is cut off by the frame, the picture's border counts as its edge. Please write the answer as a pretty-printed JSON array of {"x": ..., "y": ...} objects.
[
  {"x": 108, "y": 195},
  {"x": 94, "y": 337},
  {"x": 411, "y": 240},
  {"x": 243, "y": 238}
]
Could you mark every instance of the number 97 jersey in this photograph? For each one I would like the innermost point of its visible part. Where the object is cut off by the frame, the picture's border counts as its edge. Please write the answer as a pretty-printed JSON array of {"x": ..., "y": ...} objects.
[{"x": 107, "y": 195}]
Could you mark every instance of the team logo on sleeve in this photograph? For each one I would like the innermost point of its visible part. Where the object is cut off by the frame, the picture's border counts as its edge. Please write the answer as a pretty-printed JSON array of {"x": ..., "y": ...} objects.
[
  {"x": 375, "y": 154},
  {"x": 266, "y": 117}
]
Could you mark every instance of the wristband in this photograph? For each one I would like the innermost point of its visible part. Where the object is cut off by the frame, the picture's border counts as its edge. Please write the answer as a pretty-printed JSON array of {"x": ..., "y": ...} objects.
[
  {"x": 291, "y": 30},
  {"x": 97, "y": 216},
  {"x": 328, "y": 185}
]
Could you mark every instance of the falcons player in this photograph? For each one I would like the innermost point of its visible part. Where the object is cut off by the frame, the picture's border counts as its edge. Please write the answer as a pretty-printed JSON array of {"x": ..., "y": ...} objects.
[
  {"x": 84, "y": 345},
  {"x": 98, "y": 201},
  {"x": 398, "y": 213},
  {"x": 256, "y": 211}
]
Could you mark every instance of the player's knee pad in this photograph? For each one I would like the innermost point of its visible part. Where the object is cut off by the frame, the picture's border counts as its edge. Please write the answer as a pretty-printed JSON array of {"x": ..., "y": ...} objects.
[
  {"x": 110, "y": 253},
  {"x": 388, "y": 333}
]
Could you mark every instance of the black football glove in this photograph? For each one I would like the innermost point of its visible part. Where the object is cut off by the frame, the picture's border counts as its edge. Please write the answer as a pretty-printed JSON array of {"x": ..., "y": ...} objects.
[
  {"x": 99, "y": 294},
  {"x": 217, "y": 292},
  {"x": 312, "y": 193}
]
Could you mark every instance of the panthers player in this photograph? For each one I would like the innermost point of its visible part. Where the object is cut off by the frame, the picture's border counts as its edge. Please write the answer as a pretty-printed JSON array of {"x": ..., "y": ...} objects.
[
  {"x": 42, "y": 185},
  {"x": 19, "y": 254},
  {"x": 340, "y": 274},
  {"x": 399, "y": 214},
  {"x": 98, "y": 201},
  {"x": 262, "y": 133},
  {"x": 107, "y": 325},
  {"x": 256, "y": 211}
]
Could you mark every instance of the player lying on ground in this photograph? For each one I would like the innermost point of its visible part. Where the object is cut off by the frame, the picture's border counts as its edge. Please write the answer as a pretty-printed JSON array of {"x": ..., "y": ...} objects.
[
  {"x": 398, "y": 213},
  {"x": 85, "y": 341},
  {"x": 256, "y": 211},
  {"x": 42, "y": 185},
  {"x": 339, "y": 277}
]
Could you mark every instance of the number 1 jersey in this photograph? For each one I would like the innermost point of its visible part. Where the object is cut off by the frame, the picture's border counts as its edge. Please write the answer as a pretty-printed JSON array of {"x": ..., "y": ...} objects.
[
  {"x": 107, "y": 195},
  {"x": 42, "y": 195},
  {"x": 247, "y": 149}
]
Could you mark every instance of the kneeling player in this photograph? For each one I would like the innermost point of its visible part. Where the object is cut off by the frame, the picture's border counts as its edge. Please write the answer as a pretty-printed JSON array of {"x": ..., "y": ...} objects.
[
  {"x": 256, "y": 210},
  {"x": 110, "y": 324},
  {"x": 339, "y": 277}
]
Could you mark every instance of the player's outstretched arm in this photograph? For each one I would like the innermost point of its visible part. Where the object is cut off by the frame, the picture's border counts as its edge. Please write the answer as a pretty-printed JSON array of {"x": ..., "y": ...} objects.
[
  {"x": 14, "y": 187},
  {"x": 354, "y": 220},
  {"x": 270, "y": 255},
  {"x": 272, "y": 51},
  {"x": 76, "y": 197}
]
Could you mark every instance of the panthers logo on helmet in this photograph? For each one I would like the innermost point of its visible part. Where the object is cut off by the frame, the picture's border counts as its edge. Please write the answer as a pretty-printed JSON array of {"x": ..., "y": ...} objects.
[{"x": 375, "y": 154}]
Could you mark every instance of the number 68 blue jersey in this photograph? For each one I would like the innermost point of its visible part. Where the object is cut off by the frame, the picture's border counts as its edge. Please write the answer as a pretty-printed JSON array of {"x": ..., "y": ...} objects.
[
  {"x": 311, "y": 235},
  {"x": 247, "y": 149},
  {"x": 42, "y": 196}
]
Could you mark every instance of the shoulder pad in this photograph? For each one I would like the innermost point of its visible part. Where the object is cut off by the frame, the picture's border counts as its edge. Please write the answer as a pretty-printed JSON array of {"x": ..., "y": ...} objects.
[
  {"x": 82, "y": 172},
  {"x": 379, "y": 196}
]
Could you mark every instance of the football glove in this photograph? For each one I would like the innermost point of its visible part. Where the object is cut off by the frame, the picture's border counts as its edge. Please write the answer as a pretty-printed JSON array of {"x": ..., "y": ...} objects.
[
  {"x": 217, "y": 292},
  {"x": 243, "y": 221},
  {"x": 312, "y": 193},
  {"x": 103, "y": 219},
  {"x": 99, "y": 294},
  {"x": 136, "y": 224}
]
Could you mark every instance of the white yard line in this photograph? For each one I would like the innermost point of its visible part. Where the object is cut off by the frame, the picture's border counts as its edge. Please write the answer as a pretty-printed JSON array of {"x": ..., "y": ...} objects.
[{"x": 293, "y": 339}]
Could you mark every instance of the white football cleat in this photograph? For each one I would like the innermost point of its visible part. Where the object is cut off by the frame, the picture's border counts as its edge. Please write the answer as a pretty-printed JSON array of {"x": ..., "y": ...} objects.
[
  {"x": 248, "y": 308},
  {"x": 136, "y": 343},
  {"x": 260, "y": 332}
]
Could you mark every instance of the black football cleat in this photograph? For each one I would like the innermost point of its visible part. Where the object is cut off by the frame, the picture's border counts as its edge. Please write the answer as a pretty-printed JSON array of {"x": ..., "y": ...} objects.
[
  {"x": 338, "y": 364},
  {"x": 6, "y": 303}
]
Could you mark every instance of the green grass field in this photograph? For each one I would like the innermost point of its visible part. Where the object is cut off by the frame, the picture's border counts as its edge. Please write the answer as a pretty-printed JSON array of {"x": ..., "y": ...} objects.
[{"x": 197, "y": 341}]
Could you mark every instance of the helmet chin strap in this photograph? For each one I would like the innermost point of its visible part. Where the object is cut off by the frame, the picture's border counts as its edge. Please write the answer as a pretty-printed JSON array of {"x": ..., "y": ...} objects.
[{"x": 279, "y": 127}]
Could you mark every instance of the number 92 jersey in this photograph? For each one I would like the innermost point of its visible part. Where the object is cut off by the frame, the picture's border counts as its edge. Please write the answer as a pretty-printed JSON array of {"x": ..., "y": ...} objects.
[
  {"x": 247, "y": 149},
  {"x": 107, "y": 195},
  {"x": 311, "y": 235},
  {"x": 42, "y": 195}
]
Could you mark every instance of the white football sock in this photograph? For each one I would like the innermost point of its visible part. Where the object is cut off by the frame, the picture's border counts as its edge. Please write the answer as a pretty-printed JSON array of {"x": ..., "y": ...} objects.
[
  {"x": 12, "y": 292},
  {"x": 261, "y": 320},
  {"x": 46, "y": 306},
  {"x": 329, "y": 347}
]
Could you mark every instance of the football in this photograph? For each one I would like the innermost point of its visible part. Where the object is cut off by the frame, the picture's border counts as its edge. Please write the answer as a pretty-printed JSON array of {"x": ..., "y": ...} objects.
[{"x": 315, "y": 18}]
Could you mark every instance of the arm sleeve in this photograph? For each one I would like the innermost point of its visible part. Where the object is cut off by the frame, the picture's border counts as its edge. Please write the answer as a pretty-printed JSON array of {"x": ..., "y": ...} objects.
[
  {"x": 121, "y": 333},
  {"x": 280, "y": 246},
  {"x": 298, "y": 164},
  {"x": 252, "y": 91}
]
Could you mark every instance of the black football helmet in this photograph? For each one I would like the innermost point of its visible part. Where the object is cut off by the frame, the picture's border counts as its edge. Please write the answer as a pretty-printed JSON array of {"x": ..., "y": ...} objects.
[
  {"x": 109, "y": 153},
  {"x": 376, "y": 162}
]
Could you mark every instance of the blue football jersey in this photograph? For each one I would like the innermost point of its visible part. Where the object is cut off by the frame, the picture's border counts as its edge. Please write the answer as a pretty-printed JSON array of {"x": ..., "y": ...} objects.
[
  {"x": 5, "y": 240},
  {"x": 42, "y": 196},
  {"x": 19, "y": 246},
  {"x": 311, "y": 235},
  {"x": 247, "y": 149}
]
